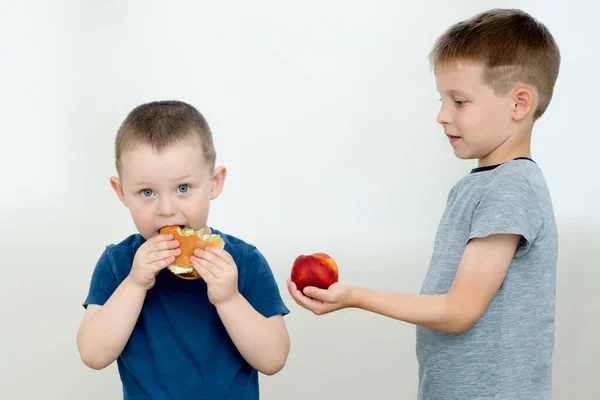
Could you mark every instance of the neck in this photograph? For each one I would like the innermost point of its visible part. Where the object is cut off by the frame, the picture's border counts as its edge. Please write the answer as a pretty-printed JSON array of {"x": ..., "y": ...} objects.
[{"x": 515, "y": 146}]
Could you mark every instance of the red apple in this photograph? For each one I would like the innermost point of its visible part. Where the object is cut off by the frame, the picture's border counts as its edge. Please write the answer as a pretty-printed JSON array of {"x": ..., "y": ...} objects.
[{"x": 317, "y": 269}]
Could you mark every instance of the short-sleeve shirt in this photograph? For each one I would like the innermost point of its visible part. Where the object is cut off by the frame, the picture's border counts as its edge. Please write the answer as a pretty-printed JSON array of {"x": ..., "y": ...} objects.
[
  {"x": 179, "y": 348},
  {"x": 507, "y": 354}
]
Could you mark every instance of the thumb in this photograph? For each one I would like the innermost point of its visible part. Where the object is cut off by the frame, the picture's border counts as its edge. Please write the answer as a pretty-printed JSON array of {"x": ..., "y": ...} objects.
[{"x": 318, "y": 294}]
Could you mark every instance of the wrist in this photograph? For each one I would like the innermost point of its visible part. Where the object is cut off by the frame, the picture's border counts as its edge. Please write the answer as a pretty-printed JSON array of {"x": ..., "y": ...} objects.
[
  {"x": 230, "y": 302},
  {"x": 354, "y": 297},
  {"x": 131, "y": 285}
]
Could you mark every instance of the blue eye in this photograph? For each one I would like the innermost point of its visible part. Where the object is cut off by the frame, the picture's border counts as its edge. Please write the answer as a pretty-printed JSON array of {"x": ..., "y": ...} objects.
[
  {"x": 147, "y": 192},
  {"x": 183, "y": 188}
]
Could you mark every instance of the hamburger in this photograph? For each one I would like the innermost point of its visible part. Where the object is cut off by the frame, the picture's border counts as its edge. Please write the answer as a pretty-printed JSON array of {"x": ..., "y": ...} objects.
[{"x": 189, "y": 240}]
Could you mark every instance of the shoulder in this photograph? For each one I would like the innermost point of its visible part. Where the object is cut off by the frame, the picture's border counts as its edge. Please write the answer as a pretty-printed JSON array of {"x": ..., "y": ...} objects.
[
  {"x": 126, "y": 247},
  {"x": 521, "y": 174},
  {"x": 112, "y": 268},
  {"x": 517, "y": 180},
  {"x": 512, "y": 199},
  {"x": 233, "y": 243},
  {"x": 243, "y": 253},
  {"x": 120, "y": 255}
]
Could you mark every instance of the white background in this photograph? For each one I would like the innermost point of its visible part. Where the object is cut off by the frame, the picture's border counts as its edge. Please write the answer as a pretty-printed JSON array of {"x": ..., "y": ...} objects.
[{"x": 324, "y": 114}]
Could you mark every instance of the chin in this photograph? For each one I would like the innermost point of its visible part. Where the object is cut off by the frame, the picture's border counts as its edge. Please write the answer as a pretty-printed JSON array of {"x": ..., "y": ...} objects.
[
  {"x": 466, "y": 155},
  {"x": 463, "y": 156}
]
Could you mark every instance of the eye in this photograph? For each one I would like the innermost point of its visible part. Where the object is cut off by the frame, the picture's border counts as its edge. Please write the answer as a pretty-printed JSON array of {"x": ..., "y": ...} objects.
[
  {"x": 459, "y": 102},
  {"x": 147, "y": 192},
  {"x": 183, "y": 188}
]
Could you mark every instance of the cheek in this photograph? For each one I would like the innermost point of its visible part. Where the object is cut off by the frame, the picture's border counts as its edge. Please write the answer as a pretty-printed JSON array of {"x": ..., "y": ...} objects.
[
  {"x": 196, "y": 204},
  {"x": 465, "y": 119},
  {"x": 497, "y": 121},
  {"x": 131, "y": 199},
  {"x": 140, "y": 209},
  {"x": 475, "y": 121}
]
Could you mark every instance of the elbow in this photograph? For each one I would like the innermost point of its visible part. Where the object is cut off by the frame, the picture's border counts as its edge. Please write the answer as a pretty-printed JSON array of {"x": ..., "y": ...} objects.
[
  {"x": 93, "y": 362},
  {"x": 462, "y": 321},
  {"x": 460, "y": 326},
  {"x": 277, "y": 362},
  {"x": 90, "y": 358},
  {"x": 95, "y": 365},
  {"x": 273, "y": 367}
]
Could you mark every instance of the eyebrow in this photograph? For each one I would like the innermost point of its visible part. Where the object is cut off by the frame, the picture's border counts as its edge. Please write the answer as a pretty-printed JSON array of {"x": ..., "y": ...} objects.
[
  {"x": 455, "y": 92},
  {"x": 149, "y": 184}
]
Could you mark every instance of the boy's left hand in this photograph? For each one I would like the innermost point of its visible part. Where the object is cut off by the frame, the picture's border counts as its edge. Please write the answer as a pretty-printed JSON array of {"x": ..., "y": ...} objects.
[
  {"x": 217, "y": 268},
  {"x": 321, "y": 301}
]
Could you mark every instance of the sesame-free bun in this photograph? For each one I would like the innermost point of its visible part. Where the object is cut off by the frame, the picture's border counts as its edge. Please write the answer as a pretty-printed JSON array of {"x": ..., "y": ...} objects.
[{"x": 189, "y": 240}]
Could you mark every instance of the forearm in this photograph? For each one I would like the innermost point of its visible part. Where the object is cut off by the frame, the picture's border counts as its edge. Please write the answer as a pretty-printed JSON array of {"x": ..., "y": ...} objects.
[
  {"x": 264, "y": 343},
  {"x": 439, "y": 312},
  {"x": 104, "y": 334}
]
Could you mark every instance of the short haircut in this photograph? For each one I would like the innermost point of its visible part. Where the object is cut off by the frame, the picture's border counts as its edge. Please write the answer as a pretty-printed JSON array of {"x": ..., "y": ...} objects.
[
  {"x": 511, "y": 45},
  {"x": 159, "y": 124}
]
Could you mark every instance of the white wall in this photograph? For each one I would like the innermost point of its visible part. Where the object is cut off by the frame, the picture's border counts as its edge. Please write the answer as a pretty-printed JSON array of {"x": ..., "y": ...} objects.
[{"x": 324, "y": 114}]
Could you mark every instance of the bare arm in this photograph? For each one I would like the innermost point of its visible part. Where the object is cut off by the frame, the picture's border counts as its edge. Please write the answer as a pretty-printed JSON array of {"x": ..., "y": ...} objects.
[
  {"x": 479, "y": 275},
  {"x": 105, "y": 330},
  {"x": 263, "y": 342}
]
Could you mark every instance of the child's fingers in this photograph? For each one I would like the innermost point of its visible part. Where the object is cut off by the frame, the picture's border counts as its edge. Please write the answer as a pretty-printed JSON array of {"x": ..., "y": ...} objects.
[
  {"x": 219, "y": 258},
  {"x": 161, "y": 264},
  {"x": 159, "y": 239},
  {"x": 204, "y": 267},
  {"x": 221, "y": 253},
  {"x": 212, "y": 259},
  {"x": 293, "y": 289},
  {"x": 160, "y": 246},
  {"x": 162, "y": 254},
  {"x": 293, "y": 292},
  {"x": 208, "y": 277},
  {"x": 308, "y": 303},
  {"x": 301, "y": 299},
  {"x": 164, "y": 245},
  {"x": 319, "y": 294}
]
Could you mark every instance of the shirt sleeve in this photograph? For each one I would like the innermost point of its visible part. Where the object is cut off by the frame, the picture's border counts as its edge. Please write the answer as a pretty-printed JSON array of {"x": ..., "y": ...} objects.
[
  {"x": 508, "y": 206},
  {"x": 103, "y": 282},
  {"x": 261, "y": 289}
]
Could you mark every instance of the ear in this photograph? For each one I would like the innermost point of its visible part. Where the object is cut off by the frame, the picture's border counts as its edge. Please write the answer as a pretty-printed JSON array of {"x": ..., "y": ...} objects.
[
  {"x": 118, "y": 188},
  {"x": 218, "y": 181},
  {"x": 523, "y": 102}
]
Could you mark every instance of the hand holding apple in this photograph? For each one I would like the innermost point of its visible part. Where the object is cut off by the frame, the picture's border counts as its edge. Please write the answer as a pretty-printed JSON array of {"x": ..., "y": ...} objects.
[{"x": 320, "y": 301}]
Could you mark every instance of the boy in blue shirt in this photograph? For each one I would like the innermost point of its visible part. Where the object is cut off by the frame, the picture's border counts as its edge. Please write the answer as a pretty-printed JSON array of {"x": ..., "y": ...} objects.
[
  {"x": 485, "y": 314},
  {"x": 175, "y": 338}
]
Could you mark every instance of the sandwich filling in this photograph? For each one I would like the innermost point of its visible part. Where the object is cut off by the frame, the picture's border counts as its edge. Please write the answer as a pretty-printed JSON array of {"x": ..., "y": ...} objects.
[{"x": 178, "y": 269}]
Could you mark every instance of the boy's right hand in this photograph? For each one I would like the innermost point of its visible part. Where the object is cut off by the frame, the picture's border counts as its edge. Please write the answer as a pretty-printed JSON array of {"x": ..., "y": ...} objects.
[{"x": 152, "y": 256}]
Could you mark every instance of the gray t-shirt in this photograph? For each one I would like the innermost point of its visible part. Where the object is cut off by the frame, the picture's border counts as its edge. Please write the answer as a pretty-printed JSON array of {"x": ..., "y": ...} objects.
[{"x": 507, "y": 354}]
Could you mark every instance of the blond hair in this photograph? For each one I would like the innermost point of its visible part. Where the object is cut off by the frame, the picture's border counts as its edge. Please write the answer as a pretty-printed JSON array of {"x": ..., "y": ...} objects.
[
  {"x": 511, "y": 45},
  {"x": 159, "y": 124}
]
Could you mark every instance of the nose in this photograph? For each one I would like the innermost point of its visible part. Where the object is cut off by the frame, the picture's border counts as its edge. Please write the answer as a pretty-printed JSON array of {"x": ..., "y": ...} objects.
[
  {"x": 166, "y": 207},
  {"x": 443, "y": 117}
]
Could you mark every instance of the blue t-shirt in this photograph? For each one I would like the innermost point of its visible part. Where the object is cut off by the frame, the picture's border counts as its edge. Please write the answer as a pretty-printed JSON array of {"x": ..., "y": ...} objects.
[{"x": 179, "y": 348}]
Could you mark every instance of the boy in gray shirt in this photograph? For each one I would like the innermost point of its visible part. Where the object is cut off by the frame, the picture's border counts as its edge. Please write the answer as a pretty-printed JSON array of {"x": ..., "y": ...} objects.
[{"x": 485, "y": 314}]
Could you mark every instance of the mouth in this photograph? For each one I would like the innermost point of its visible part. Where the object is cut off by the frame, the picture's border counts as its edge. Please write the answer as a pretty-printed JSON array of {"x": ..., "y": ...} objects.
[
  {"x": 453, "y": 138},
  {"x": 180, "y": 227}
]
